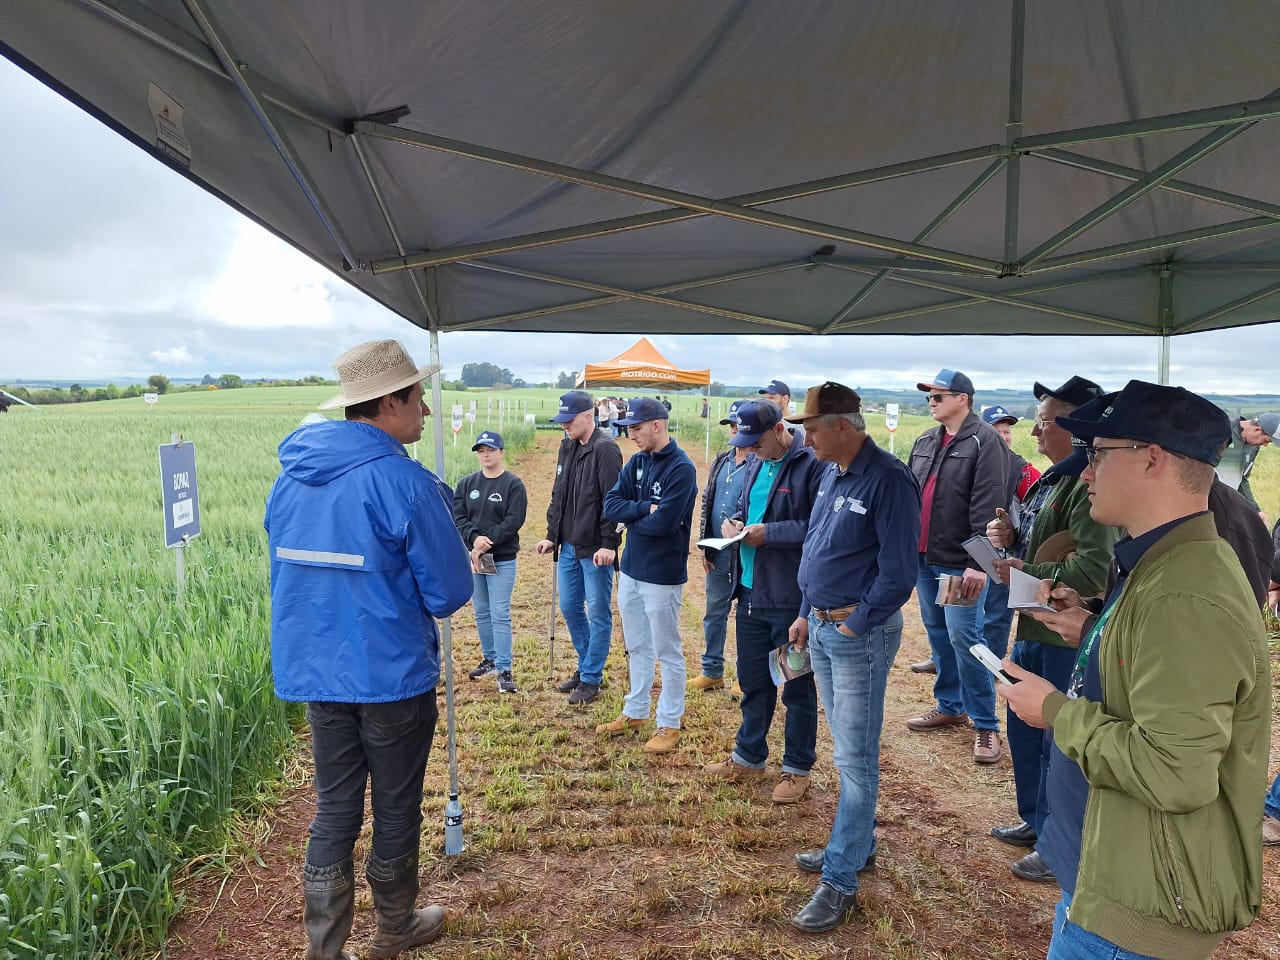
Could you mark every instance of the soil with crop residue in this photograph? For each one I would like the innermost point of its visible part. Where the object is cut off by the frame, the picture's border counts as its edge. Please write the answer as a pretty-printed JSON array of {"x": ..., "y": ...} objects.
[{"x": 582, "y": 847}]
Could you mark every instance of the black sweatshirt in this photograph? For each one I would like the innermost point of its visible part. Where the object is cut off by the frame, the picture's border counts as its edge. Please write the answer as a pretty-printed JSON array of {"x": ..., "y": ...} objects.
[{"x": 493, "y": 508}]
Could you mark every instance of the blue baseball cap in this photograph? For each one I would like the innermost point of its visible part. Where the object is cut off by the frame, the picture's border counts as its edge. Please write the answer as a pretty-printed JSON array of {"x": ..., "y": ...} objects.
[
  {"x": 490, "y": 438},
  {"x": 642, "y": 410},
  {"x": 996, "y": 413},
  {"x": 776, "y": 386},
  {"x": 732, "y": 415},
  {"x": 1171, "y": 417},
  {"x": 952, "y": 381},
  {"x": 573, "y": 403},
  {"x": 755, "y": 419}
]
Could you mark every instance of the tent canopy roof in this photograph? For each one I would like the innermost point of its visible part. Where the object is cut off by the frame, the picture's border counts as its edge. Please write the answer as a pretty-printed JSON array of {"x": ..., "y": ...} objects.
[
  {"x": 838, "y": 166},
  {"x": 641, "y": 365}
]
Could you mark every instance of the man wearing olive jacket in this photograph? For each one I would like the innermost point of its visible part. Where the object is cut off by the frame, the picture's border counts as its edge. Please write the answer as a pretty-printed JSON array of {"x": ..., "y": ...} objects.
[
  {"x": 1161, "y": 740},
  {"x": 1055, "y": 512}
]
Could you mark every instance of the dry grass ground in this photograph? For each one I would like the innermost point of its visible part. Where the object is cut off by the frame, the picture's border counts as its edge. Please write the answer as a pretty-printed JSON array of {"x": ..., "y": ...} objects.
[{"x": 581, "y": 847}]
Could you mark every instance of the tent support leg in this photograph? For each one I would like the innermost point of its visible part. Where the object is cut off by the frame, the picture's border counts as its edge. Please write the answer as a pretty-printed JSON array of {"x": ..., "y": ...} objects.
[{"x": 1164, "y": 321}]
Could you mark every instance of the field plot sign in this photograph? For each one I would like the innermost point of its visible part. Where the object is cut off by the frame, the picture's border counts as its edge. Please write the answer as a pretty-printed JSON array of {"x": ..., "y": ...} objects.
[
  {"x": 180, "y": 493},
  {"x": 891, "y": 421}
]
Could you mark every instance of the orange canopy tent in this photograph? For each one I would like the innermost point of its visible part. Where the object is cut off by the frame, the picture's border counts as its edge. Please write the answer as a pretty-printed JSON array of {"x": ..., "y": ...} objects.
[{"x": 641, "y": 365}]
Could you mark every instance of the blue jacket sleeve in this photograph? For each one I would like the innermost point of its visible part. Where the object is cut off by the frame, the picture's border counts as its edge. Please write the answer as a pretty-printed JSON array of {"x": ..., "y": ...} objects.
[
  {"x": 897, "y": 520},
  {"x": 679, "y": 490},
  {"x": 439, "y": 560},
  {"x": 620, "y": 503}
]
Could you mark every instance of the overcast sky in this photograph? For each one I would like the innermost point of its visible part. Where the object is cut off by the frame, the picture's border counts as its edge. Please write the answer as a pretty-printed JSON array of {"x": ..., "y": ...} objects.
[{"x": 115, "y": 267}]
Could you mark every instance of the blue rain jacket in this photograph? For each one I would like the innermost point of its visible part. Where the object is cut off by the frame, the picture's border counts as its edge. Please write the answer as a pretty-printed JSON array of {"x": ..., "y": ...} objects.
[{"x": 364, "y": 556}]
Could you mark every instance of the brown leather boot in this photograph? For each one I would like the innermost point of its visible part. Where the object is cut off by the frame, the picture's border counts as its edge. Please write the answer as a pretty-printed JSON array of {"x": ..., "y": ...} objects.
[
  {"x": 329, "y": 906},
  {"x": 395, "y": 888}
]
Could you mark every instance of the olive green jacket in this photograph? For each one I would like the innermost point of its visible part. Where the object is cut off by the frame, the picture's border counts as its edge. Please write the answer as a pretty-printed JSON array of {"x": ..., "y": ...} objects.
[
  {"x": 1175, "y": 755},
  {"x": 1067, "y": 509}
]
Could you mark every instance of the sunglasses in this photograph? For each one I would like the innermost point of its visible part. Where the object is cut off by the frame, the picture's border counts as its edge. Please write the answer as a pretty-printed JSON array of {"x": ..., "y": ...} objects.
[{"x": 939, "y": 397}]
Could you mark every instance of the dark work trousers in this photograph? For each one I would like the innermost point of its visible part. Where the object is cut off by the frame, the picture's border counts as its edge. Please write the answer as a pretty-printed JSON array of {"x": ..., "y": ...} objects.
[
  {"x": 760, "y": 632},
  {"x": 383, "y": 744},
  {"x": 1029, "y": 746}
]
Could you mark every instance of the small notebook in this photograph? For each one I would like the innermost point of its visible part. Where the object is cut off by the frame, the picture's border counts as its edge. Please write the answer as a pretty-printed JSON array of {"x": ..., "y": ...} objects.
[{"x": 486, "y": 563}]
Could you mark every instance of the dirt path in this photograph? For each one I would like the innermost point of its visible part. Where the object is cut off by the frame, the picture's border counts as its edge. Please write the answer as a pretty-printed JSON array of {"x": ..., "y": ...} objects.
[{"x": 583, "y": 848}]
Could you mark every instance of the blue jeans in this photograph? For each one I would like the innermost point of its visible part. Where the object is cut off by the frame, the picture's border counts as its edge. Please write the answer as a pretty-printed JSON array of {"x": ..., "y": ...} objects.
[
  {"x": 851, "y": 674},
  {"x": 715, "y": 625},
  {"x": 1273, "y": 798},
  {"x": 491, "y": 598},
  {"x": 585, "y": 590},
  {"x": 383, "y": 744},
  {"x": 1072, "y": 942},
  {"x": 997, "y": 618},
  {"x": 1029, "y": 746},
  {"x": 651, "y": 630},
  {"x": 760, "y": 632},
  {"x": 963, "y": 685}
]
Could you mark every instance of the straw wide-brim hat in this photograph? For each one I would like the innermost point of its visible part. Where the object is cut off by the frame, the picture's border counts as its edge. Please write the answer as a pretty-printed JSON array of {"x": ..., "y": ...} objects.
[{"x": 374, "y": 369}]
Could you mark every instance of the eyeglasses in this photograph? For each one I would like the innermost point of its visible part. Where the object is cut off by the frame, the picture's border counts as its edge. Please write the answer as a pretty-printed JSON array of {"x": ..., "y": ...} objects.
[
  {"x": 939, "y": 397},
  {"x": 1094, "y": 454},
  {"x": 1043, "y": 424}
]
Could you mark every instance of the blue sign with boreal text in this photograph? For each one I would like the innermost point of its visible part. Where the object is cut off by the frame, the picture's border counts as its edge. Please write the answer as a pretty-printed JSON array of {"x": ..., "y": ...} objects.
[{"x": 179, "y": 492}]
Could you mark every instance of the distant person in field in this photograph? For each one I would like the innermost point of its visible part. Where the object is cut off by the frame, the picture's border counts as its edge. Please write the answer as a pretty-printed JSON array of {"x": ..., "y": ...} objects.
[
  {"x": 5, "y": 403},
  {"x": 1259, "y": 432},
  {"x": 706, "y": 409},
  {"x": 583, "y": 543},
  {"x": 489, "y": 508},
  {"x": 654, "y": 497},
  {"x": 364, "y": 558}
]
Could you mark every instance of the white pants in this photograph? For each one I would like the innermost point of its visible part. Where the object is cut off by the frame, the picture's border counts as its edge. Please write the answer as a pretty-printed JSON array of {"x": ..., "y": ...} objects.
[{"x": 651, "y": 629}]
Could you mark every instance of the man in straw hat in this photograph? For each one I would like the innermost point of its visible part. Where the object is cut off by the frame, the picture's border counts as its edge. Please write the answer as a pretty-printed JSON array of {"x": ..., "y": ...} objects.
[
  {"x": 857, "y": 569},
  {"x": 364, "y": 557}
]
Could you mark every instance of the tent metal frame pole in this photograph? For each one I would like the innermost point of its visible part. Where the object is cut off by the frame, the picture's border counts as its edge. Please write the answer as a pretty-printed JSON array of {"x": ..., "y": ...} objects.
[
  {"x": 603, "y": 301},
  {"x": 143, "y": 23},
  {"x": 1152, "y": 244},
  {"x": 978, "y": 298},
  {"x": 1247, "y": 111},
  {"x": 231, "y": 64},
  {"x": 1180, "y": 187},
  {"x": 642, "y": 191},
  {"x": 1139, "y": 188},
  {"x": 638, "y": 295},
  {"x": 1013, "y": 128},
  {"x": 601, "y": 228},
  {"x": 965, "y": 195}
]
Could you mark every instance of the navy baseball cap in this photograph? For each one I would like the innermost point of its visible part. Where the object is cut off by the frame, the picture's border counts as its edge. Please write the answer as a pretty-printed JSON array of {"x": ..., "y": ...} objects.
[
  {"x": 1172, "y": 417},
  {"x": 642, "y": 410},
  {"x": 732, "y": 415},
  {"x": 755, "y": 419},
  {"x": 490, "y": 438},
  {"x": 1077, "y": 391},
  {"x": 952, "y": 381},
  {"x": 573, "y": 403},
  {"x": 776, "y": 386},
  {"x": 994, "y": 414}
]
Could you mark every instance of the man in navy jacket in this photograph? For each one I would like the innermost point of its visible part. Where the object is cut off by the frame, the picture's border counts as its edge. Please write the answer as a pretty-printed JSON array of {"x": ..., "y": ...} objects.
[{"x": 654, "y": 497}]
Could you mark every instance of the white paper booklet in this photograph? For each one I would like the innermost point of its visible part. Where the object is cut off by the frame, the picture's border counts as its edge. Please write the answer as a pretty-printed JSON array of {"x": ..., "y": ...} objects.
[
  {"x": 1023, "y": 590},
  {"x": 719, "y": 543}
]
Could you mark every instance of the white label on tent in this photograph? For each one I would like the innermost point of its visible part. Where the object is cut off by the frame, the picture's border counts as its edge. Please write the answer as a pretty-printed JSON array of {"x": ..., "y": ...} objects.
[
  {"x": 891, "y": 416},
  {"x": 171, "y": 138}
]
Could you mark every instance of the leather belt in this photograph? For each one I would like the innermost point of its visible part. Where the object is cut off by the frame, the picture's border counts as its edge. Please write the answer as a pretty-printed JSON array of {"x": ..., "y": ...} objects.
[{"x": 837, "y": 615}]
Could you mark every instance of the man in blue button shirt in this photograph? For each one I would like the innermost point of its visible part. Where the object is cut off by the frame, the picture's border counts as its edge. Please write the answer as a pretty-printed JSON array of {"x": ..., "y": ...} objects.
[{"x": 858, "y": 567}]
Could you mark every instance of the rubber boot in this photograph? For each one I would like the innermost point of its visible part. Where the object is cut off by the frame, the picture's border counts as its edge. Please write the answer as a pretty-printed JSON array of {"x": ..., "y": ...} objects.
[
  {"x": 395, "y": 889},
  {"x": 329, "y": 907}
]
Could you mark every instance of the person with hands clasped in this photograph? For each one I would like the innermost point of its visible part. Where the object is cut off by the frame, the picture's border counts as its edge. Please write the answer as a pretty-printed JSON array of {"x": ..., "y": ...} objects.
[
  {"x": 963, "y": 468},
  {"x": 1159, "y": 761},
  {"x": 582, "y": 542},
  {"x": 654, "y": 497},
  {"x": 489, "y": 509},
  {"x": 857, "y": 569}
]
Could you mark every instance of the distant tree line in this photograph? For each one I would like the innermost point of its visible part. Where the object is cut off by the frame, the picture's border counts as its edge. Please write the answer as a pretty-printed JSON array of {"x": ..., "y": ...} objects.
[{"x": 156, "y": 383}]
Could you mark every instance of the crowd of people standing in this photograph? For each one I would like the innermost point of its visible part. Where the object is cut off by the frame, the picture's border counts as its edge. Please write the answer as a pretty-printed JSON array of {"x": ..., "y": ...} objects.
[{"x": 1139, "y": 751}]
